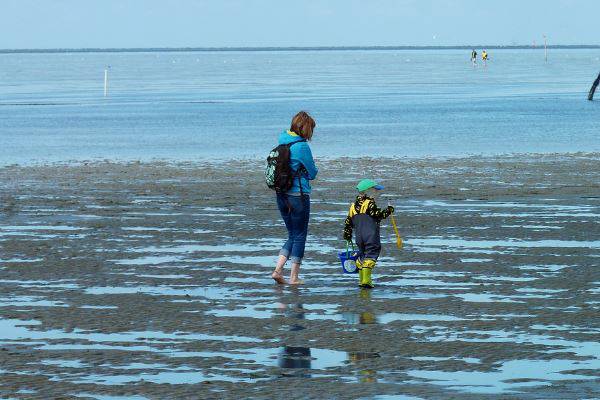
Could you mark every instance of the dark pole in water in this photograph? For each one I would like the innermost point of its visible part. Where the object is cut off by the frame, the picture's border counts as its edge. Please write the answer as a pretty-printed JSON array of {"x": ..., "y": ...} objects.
[{"x": 593, "y": 89}]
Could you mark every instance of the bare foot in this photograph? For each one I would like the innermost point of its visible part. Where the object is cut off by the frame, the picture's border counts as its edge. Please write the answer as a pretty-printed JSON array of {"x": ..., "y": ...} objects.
[
  {"x": 277, "y": 277},
  {"x": 296, "y": 282}
]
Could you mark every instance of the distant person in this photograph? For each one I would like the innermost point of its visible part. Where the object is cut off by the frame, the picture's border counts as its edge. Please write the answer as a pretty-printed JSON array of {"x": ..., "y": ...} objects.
[
  {"x": 290, "y": 169},
  {"x": 484, "y": 57},
  {"x": 474, "y": 57},
  {"x": 364, "y": 218}
]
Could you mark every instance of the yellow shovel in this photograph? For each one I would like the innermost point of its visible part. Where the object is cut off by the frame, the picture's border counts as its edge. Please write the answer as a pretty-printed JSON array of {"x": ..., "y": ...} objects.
[{"x": 398, "y": 238}]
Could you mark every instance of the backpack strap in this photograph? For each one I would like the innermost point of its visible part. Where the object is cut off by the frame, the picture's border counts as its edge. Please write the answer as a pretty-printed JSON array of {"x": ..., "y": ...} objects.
[
  {"x": 297, "y": 174},
  {"x": 290, "y": 144}
]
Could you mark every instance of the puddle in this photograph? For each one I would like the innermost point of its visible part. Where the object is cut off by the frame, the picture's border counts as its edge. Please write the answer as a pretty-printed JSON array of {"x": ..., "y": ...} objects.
[
  {"x": 414, "y": 273},
  {"x": 392, "y": 294},
  {"x": 476, "y": 260},
  {"x": 550, "y": 268},
  {"x": 542, "y": 215},
  {"x": 459, "y": 245},
  {"x": 391, "y": 317},
  {"x": 148, "y": 229},
  {"x": 325, "y": 219},
  {"x": 491, "y": 317},
  {"x": 427, "y": 282},
  {"x": 504, "y": 278},
  {"x": 29, "y": 301},
  {"x": 535, "y": 227},
  {"x": 468, "y": 360},
  {"x": 100, "y": 307},
  {"x": 220, "y": 215},
  {"x": 247, "y": 312},
  {"x": 149, "y": 260},
  {"x": 89, "y": 347},
  {"x": 476, "y": 204},
  {"x": 92, "y": 216},
  {"x": 41, "y": 228},
  {"x": 13, "y": 329},
  {"x": 221, "y": 248},
  {"x": 31, "y": 237},
  {"x": 64, "y": 363},
  {"x": 218, "y": 209},
  {"x": 263, "y": 281},
  {"x": 154, "y": 214},
  {"x": 268, "y": 310},
  {"x": 177, "y": 376},
  {"x": 566, "y": 328},
  {"x": 244, "y": 260},
  {"x": 43, "y": 284},
  {"x": 538, "y": 372},
  {"x": 21, "y": 260},
  {"x": 208, "y": 292},
  {"x": 247, "y": 271},
  {"x": 537, "y": 290},
  {"x": 485, "y": 298},
  {"x": 312, "y": 245},
  {"x": 109, "y": 397},
  {"x": 165, "y": 276},
  {"x": 583, "y": 349}
]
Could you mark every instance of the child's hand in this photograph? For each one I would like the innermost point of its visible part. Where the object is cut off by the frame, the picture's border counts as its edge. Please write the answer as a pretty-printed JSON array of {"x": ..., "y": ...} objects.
[{"x": 390, "y": 209}]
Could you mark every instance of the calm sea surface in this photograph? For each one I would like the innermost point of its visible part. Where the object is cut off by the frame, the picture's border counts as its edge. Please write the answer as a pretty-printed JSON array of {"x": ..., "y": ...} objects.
[{"x": 222, "y": 105}]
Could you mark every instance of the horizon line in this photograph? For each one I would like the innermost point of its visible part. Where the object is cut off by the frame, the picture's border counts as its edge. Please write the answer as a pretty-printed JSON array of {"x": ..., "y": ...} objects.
[{"x": 292, "y": 48}]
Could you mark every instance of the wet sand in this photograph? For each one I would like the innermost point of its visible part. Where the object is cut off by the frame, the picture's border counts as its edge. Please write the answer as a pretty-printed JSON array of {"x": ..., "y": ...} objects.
[{"x": 152, "y": 280}]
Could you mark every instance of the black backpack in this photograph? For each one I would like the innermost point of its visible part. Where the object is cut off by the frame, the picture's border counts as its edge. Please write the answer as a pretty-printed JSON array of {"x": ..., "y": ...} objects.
[{"x": 279, "y": 175}]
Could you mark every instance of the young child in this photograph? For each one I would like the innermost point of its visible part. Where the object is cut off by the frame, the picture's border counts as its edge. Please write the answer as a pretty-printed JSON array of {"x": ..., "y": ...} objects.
[{"x": 364, "y": 218}]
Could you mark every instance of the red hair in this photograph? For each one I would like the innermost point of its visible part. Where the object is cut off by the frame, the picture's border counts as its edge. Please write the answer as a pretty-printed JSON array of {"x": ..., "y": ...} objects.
[{"x": 303, "y": 125}]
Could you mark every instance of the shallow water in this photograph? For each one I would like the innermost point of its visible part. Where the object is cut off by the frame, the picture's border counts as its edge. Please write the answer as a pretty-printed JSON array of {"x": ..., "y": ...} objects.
[{"x": 189, "y": 106}]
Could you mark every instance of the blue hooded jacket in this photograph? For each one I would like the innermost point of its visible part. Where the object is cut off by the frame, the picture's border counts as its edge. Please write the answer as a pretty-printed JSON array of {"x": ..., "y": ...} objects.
[{"x": 300, "y": 155}]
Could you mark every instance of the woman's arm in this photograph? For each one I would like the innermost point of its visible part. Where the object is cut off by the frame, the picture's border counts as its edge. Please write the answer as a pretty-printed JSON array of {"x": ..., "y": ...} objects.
[{"x": 306, "y": 158}]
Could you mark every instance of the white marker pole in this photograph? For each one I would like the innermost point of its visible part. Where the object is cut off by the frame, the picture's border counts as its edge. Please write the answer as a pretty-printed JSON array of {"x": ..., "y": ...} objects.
[
  {"x": 106, "y": 81},
  {"x": 545, "y": 49}
]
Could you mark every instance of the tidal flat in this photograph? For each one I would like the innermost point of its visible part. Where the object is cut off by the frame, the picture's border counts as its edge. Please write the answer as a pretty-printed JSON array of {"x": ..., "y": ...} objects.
[{"x": 152, "y": 281}]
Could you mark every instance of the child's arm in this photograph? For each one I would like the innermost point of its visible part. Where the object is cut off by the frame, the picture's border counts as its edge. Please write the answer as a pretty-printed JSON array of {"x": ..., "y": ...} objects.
[
  {"x": 348, "y": 229},
  {"x": 378, "y": 213}
]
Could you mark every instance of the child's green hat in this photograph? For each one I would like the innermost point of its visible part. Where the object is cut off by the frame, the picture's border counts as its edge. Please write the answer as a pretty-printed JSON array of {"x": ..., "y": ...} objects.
[{"x": 367, "y": 184}]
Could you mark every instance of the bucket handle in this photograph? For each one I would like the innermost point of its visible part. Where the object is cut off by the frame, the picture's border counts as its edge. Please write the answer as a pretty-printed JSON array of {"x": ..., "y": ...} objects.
[{"x": 348, "y": 243}]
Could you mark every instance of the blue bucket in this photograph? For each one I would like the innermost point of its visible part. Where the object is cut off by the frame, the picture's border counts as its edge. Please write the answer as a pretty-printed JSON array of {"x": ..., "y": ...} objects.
[{"x": 348, "y": 260}]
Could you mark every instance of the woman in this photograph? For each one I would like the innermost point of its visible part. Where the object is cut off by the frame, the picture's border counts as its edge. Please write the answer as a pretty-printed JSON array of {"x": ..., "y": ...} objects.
[{"x": 294, "y": 205}]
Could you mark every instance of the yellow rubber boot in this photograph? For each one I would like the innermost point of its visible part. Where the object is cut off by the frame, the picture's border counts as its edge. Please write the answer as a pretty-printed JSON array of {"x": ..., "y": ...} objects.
[
  {"x": 359, "y": 265},
  {"x": 366, "y": 280}
]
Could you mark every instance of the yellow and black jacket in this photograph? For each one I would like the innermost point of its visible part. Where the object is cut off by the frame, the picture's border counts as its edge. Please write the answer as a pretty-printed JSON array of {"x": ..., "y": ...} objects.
[{"x": 364, "y": 218}]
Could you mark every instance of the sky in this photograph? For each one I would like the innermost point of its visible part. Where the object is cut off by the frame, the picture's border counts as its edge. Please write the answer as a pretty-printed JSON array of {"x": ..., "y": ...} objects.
[{"x": 249, "y": 23}]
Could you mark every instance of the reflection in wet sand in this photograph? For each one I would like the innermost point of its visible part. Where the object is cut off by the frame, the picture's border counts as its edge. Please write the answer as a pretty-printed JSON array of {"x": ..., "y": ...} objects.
[{"x": 294, "y": 357}]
